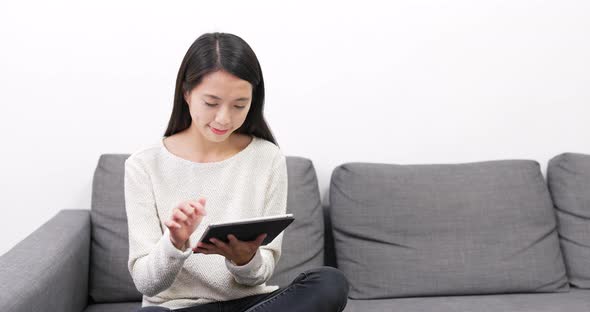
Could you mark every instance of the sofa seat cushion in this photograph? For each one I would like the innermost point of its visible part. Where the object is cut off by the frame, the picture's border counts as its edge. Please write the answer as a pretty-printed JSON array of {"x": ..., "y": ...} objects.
[
  {"x": 568, "y": 176},
  {"x": 574, "y": 300},
  {"x": 456, "y": 229}
]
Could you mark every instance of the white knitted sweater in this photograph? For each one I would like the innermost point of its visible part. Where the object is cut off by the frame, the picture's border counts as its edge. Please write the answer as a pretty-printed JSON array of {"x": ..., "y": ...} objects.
[{"x": 251, "y": 183}]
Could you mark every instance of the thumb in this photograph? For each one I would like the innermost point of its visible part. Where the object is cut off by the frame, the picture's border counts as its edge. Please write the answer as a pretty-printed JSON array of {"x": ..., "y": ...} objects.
[
  {"x": 260, "y": 239},
  {"x": 232, "y": 239}
]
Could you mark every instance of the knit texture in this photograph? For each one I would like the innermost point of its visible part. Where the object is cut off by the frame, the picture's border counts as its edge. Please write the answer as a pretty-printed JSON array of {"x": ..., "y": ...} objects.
[{"x": 251, "y": 183}]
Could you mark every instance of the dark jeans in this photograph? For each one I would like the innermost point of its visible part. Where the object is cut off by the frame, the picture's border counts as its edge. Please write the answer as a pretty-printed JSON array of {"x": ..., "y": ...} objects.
[{"x": 323, "y": 289}]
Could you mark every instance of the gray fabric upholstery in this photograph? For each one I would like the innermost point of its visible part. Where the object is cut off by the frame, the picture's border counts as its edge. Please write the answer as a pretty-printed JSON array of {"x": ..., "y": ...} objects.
[
  {"x": 380, "y": 208},
  {"x": 114, "y": 307},
  {"x": 574, "y": 300},
  {"x": 48, "y": 270},
  {"x": 568, "y": 177},
  {"x": 110, "y": 280},
  {"x": 460, "y": 229},
  {"x": 303, "y": 240}
]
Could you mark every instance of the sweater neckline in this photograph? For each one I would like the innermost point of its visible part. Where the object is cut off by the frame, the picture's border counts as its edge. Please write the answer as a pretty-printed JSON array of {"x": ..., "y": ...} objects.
[{"x": 207, "y": 164}]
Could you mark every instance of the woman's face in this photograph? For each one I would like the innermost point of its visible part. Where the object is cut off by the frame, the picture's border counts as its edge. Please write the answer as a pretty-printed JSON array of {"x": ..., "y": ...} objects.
[{"x": 219, "y": 105}]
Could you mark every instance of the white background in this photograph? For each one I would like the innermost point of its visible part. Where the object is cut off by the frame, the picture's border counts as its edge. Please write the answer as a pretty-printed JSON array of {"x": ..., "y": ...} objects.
[{"x": 403, "y": 82}]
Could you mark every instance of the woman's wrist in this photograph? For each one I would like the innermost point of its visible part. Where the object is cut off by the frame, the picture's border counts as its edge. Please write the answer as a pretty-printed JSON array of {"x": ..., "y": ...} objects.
[
  {"x": 181, "y": 247},
  {"x": 239, "y": 262}
]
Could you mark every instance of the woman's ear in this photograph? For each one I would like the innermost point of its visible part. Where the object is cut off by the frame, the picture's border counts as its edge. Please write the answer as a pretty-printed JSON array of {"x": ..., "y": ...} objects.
[{"x": 186, "y": 97}]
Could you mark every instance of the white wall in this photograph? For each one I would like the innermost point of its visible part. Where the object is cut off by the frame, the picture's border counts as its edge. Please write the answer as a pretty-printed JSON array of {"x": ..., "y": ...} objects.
[{"x": 404, "y": 82}]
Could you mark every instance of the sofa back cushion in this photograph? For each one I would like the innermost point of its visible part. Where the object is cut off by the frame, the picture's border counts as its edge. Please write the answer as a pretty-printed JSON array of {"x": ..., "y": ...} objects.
[
  {"x": 110, "y": 280},
  {"x": 456, "y": 229},
  {"x": 568, "y": 176},
  {"x": 303, "y": 241}
]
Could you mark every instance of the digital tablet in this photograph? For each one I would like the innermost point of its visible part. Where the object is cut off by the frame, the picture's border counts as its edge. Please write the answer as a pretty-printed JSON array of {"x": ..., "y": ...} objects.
[{"x": 248, "y": 229}]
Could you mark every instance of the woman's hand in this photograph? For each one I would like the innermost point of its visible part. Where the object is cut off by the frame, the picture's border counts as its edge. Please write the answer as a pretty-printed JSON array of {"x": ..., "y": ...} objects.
[
  {"x": 239, "y": 252},
  {"x": 184, "y": 221}
]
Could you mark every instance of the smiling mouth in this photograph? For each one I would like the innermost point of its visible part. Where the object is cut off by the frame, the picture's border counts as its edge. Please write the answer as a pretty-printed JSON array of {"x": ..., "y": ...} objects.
[{"x": 217, "y": 131}]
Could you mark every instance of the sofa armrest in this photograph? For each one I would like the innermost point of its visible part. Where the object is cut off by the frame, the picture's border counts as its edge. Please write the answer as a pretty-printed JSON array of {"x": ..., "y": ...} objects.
[{"x": 48, "y": 270}]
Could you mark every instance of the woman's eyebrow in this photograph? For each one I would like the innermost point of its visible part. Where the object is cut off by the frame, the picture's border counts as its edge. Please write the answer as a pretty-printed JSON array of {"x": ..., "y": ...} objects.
[
  {"x": 218, "y": 98},
  {"x": 213, "y": 96}
]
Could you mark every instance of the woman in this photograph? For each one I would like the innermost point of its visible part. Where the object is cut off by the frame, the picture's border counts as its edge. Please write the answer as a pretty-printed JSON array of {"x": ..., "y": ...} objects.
[{"x": 218, "y": 161}]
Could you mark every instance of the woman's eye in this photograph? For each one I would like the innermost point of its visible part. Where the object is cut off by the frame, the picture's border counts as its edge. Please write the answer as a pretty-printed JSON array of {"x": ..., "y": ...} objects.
[
  {"x": 240, "y": 107},
  {"x": 211, "y": 104}
]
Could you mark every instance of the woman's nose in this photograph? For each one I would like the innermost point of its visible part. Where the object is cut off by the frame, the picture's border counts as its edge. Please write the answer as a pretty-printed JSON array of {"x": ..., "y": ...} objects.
[{"x": 222, "y": 118}]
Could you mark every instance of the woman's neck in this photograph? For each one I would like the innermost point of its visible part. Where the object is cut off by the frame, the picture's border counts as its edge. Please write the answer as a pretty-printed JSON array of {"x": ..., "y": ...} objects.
[{"x": 202, "y": 150}]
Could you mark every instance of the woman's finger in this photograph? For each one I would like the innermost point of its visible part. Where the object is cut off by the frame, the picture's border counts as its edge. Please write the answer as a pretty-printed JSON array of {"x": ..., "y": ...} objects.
[
  {"x": 182, "y": 219},
  {"x": 172, "y": 224},
  {"x": 199, "y": 208},
  {"x": 197, "y": 215},
  {"x": 203, "y": 251},
  {"x": 179, "y": 216},
  {"x": 214, "y": 251},
  {"x": 221, "y": 246},
  {"x": 218, "y": 243},
  {"x": 179, "y": 220},
  {"x": 188, "y": 210},
  {"x": 205, "y": 245}
]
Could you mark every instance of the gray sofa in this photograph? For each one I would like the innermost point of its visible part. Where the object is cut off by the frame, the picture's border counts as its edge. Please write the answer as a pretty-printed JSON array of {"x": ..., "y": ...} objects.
[{"x": 486, "y": 236}]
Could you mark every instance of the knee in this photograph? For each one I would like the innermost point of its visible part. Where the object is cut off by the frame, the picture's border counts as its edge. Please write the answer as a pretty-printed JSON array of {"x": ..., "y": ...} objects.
[
  {"x": 153, "y": 309},
  {"x": 334, "y": 285}
]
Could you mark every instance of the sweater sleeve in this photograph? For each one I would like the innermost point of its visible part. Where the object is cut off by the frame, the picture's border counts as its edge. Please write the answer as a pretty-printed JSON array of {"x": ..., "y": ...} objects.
[
  {"x": 154, "y": 262},
  {"x": 262, "y": 265}
]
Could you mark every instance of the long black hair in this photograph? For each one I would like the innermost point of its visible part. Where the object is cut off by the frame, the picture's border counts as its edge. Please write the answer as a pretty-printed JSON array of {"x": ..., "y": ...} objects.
[{"x": 220, "y": 51}]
